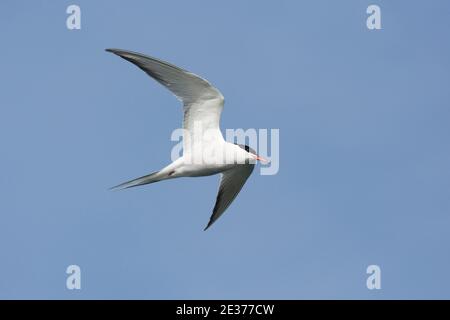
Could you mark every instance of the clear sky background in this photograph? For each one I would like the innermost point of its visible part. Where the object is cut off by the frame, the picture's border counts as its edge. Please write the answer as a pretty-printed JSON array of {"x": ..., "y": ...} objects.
[{"x": 364, "y": 150}]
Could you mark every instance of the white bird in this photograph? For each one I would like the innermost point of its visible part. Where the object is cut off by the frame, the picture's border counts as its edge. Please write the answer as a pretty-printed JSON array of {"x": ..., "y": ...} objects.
[{"x": 205, "y": 152}]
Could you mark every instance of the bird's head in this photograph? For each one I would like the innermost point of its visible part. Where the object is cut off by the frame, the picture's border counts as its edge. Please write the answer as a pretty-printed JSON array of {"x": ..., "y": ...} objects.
[{"x": 251, "y": 153}]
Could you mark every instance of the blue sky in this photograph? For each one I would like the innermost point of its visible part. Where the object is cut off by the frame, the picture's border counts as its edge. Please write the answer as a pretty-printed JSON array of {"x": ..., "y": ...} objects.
[{"x": 364, "y": 151}]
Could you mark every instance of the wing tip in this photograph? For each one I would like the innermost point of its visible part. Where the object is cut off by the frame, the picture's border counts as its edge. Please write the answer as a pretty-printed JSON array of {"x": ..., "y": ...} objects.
[
  {"x": 113, "y": 50},
  {"x": 208, "y": 225}
]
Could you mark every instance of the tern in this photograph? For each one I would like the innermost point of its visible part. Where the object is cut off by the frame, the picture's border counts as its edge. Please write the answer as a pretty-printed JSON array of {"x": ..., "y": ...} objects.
[{"x": 205, "y": 152}]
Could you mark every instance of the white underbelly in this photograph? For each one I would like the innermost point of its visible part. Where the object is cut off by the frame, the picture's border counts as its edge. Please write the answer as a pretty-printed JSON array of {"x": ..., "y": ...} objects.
[{"x": 196, "y": 170}]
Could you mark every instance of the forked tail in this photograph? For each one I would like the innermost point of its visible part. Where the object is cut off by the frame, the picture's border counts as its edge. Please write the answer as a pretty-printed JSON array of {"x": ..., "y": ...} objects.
[{"x": 150, "y": 178}]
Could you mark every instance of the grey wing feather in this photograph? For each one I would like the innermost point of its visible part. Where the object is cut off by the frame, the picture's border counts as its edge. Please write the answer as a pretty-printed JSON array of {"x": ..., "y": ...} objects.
[
  {"x": 186, "y": 86},
  {"x": 231, "y": 183}
]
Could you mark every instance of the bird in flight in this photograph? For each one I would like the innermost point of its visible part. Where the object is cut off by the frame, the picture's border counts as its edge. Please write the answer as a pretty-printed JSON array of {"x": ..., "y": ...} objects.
[{"x": 205, "y": 152}]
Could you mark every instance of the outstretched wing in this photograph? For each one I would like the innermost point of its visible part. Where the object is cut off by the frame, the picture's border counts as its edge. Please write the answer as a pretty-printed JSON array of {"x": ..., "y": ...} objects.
[
  {"x": 231, "y": 183},
  {"x": 202, "y": 102}
]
